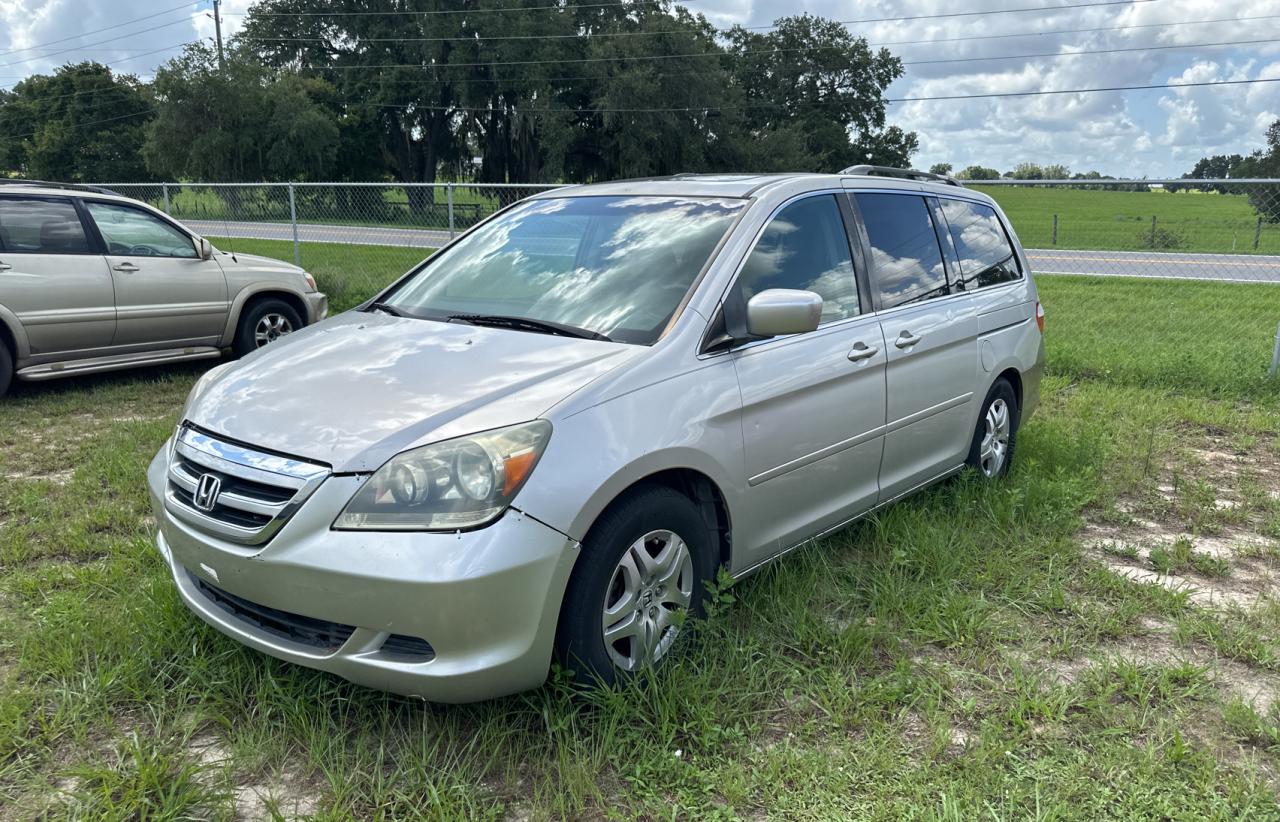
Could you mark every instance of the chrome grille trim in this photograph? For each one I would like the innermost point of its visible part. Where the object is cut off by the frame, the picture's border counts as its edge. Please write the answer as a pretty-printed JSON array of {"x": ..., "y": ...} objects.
[{"x": 260, "y": 491}]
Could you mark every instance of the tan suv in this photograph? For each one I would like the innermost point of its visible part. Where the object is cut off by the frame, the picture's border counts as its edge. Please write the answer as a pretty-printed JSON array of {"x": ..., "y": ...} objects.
[{"x": 92, "y": 281}]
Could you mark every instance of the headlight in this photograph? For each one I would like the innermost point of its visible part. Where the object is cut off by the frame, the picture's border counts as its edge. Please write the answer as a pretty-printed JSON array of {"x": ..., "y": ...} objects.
[
  {"x": 311, "y": 281},
  {"x": 450, "y": 485}
]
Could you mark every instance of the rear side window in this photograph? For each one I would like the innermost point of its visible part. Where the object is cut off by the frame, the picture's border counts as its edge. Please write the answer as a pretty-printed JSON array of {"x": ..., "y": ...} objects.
[
  {"x": 805, "y": 247},
  {"x": 29, "y": 225},
  {"x": 906, "y": 262},
  {"x": 986, "y": 256}
]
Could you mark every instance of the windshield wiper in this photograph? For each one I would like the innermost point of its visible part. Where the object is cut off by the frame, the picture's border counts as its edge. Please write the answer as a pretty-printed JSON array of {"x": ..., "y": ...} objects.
[
  {"x": 529, "y": 324},
  {"x": 387, "y": 309}
]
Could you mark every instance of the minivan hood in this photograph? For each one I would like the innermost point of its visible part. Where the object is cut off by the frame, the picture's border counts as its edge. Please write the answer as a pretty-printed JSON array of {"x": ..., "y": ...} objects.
[{"x": 359, "y": 388}]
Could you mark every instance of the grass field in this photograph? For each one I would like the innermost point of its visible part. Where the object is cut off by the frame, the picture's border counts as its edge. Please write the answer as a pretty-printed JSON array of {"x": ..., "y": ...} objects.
[
  {"x": 1096, "y": 637},
  {"x": 1121, "y": 220}
]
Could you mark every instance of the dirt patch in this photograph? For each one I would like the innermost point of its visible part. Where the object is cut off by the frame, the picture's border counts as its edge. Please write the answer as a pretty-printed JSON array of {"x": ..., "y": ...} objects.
[
  {"x": 287, "y": 793},
  {"x": 1198, "y": 528}
]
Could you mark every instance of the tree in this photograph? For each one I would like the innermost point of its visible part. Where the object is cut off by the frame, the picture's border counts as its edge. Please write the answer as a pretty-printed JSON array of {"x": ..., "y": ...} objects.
[
  {"x": 978, "y": 173},
  {"x": 940, "y": 168},
  {"x": 1264, "y": 162},
  {"x": 1217, "y": 167},
  {"x": 240, "y": 122},
  {"x": 1026, "y": 171},
  {"x": 813, "y": 97},
  {"x": 81, "y": 124}
]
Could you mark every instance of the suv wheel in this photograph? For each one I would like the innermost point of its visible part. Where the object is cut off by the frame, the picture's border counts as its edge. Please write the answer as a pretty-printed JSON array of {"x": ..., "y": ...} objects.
[
  {"x": 265, "y": 322},
  {"x": 646, "y": 561},
  {"x": 6, "y": 368},
  {"x": 991, "y": 452}
]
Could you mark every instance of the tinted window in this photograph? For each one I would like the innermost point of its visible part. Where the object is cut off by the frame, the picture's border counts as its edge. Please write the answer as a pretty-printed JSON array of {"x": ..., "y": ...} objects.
[
  {"x": 135, "y": 233},
  {"x": 615, "y": 265},
  {"x": 986, "y": 258},
  {"x": 805, "y": 247},
  {"x": 906, "y": 263},
  {"x": 33, "y": 226}
]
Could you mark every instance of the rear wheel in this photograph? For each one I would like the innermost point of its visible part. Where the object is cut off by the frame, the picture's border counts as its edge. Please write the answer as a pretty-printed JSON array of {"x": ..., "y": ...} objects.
[
  {"x": 6, "y": 368},
  {"x": 265, "y": 322},
  {"x": 642, "y": 571},
  {"x": 991, "y": 452}
]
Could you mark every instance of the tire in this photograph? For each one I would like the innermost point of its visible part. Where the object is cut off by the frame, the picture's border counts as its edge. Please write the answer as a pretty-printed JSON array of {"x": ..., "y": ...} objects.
[
  {"x": 281, "y": 319},
  {"x": 996, "y": 435},
  {"x": 6, "y": 369},
  {"x": 608, "y": 566}
]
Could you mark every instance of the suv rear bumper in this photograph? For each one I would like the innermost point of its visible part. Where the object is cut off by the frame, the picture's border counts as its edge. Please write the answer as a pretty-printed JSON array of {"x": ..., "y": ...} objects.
[{"x": 477, "y": 611}]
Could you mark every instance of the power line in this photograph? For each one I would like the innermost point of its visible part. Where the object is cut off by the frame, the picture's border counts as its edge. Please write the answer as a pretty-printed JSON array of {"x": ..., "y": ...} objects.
[
  {"x": 445, "y": 11},
  {"x": 466, "y": 39},
  {"x": 146, "y": 110},
  {"x": 735, "y": 55},
  {"x": 114, "y": 62},
  {"x": 700, "y": 109},
  {"x": 95, "y": 43},
  {"x": 105, "y": 28}
]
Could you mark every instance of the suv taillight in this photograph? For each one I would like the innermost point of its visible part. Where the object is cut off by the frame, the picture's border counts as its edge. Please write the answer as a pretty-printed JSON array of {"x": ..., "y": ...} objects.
[{"x": 1040, "y": 316}]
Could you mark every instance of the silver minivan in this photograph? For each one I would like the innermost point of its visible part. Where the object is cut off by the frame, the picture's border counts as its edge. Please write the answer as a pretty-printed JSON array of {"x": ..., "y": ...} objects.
[{"x": 545, "y": 440}]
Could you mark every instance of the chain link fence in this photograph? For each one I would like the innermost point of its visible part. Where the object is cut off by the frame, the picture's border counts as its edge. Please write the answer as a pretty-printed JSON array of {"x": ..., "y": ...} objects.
[
  {"x": 1168, "y": 240},
  {"x": 353, "y": 237}
]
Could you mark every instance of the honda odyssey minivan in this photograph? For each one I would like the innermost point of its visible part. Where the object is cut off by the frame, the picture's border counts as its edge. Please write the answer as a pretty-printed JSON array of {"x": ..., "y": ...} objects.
[{"x": 544, "y": 441}]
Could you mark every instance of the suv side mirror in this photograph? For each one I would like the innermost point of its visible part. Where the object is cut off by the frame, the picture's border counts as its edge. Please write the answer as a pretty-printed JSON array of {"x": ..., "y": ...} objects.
[
  {"x": 780, "y": 311},
  {"x": 204, "y": 248}
]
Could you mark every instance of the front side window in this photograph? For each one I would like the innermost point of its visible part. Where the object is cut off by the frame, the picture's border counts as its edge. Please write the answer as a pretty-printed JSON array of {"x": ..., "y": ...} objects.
[
  {"x": 132, "y": 232},
  {"x": 805, "y": 247},
  {"x": 617, "y": 266},
  {"x": 986, "y": 257},
  {"x": 30, "y": 225},
  {"x": 906, "y": 262}
]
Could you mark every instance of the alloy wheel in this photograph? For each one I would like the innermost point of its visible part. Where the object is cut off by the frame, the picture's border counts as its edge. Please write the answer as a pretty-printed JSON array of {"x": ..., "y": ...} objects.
[
  {"x": 270, "y": 328},
  {"x": 651, "y": 584},
  {"x": 994, "y": 449}
]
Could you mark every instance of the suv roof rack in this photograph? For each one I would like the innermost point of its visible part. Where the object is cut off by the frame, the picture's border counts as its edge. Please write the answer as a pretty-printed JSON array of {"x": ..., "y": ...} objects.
[
  {"x": 903, "y": 173},
  {"x": 18, "y": 181}
]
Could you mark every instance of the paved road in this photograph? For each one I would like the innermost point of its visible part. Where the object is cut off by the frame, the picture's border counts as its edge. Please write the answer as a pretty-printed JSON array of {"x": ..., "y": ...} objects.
[{"x": 1222, "y": 267}]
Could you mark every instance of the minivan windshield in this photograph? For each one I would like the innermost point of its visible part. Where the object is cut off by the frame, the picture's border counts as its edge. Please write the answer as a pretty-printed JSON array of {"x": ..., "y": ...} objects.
[{"x": 611, "y": 266}]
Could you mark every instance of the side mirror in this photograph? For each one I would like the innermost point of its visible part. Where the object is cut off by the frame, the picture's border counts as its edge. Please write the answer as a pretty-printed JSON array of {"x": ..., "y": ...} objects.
[
  {"x": 204, "y": 248},
  {"x": 780, "y": 311}
]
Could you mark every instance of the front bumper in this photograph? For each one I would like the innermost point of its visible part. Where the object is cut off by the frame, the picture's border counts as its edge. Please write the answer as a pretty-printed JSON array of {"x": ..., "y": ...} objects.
[
  {"x": 486, "y": 601},
  {"x": 317, "y": 306}
]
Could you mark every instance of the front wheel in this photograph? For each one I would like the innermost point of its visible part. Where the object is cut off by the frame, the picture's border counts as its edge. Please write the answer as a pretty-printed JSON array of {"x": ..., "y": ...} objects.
[
  {"x": 643, "y": 570},
  {"x": 263, "y": 323},
  {"x": 991, "y": 452}
]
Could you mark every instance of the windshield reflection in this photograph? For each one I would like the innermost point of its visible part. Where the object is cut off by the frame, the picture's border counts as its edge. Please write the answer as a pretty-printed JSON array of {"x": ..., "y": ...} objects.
[{"x": 618, "y": 266}]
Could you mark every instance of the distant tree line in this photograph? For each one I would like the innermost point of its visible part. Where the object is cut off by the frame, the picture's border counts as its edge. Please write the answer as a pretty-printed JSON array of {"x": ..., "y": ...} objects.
[
  {"x": 411, "y": 90},
  {"x": 1262, "y": 163}
]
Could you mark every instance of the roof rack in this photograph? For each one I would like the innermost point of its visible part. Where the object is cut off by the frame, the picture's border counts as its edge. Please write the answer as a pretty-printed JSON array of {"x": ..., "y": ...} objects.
[
  {"x": 902, "y": 173},
  {"x": 18, "y": 181}
]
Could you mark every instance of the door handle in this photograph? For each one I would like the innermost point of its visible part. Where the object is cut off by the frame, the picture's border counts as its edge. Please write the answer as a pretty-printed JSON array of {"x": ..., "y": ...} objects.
[
  {"x": 5, "y": 266},
  {"x": 906, "y": 339},
  {"x": 862, "y": 351},
  {"x": 128, "y": 267}
]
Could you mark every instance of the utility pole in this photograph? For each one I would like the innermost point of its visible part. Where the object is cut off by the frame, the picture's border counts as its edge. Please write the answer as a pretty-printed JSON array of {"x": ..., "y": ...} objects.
[{"x": 217, "y": 28}]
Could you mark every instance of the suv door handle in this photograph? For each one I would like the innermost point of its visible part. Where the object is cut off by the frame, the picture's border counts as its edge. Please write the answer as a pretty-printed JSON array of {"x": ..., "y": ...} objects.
[
  {"x": 861, "y": 351},
  {"x": 129, "y": 267},
  {"x": 906, "y": 339},
  {"x": 5, "y": 266}
]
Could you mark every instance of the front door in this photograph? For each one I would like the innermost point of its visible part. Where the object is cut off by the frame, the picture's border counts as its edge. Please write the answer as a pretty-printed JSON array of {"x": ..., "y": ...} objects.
[
  {"x": 931, "y": 340},
  {"x": 165, "y": 294},
  {"x": 812, "y": 404},
  {"x": 52, "y": 278}
]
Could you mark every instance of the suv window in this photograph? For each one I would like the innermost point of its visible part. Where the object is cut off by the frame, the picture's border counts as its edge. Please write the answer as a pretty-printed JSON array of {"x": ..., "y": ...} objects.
[
  {"x": 133, "y": 232},
  {"x": 906, "y": 261},
  {"x": 33, "y": 225},
  {"x": 805, "y": 246},
  {"x": 986, "y": 256}
]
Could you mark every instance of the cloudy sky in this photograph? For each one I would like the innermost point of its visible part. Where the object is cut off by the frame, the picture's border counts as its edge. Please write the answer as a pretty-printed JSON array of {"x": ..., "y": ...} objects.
[{"x": 1155, "y": 133}]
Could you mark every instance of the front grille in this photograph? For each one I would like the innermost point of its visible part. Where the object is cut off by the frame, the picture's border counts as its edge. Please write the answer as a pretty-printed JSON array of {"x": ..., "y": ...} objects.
[
  {"x": 248, "y": 494},
  {"x": 316, "y": 633}
]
